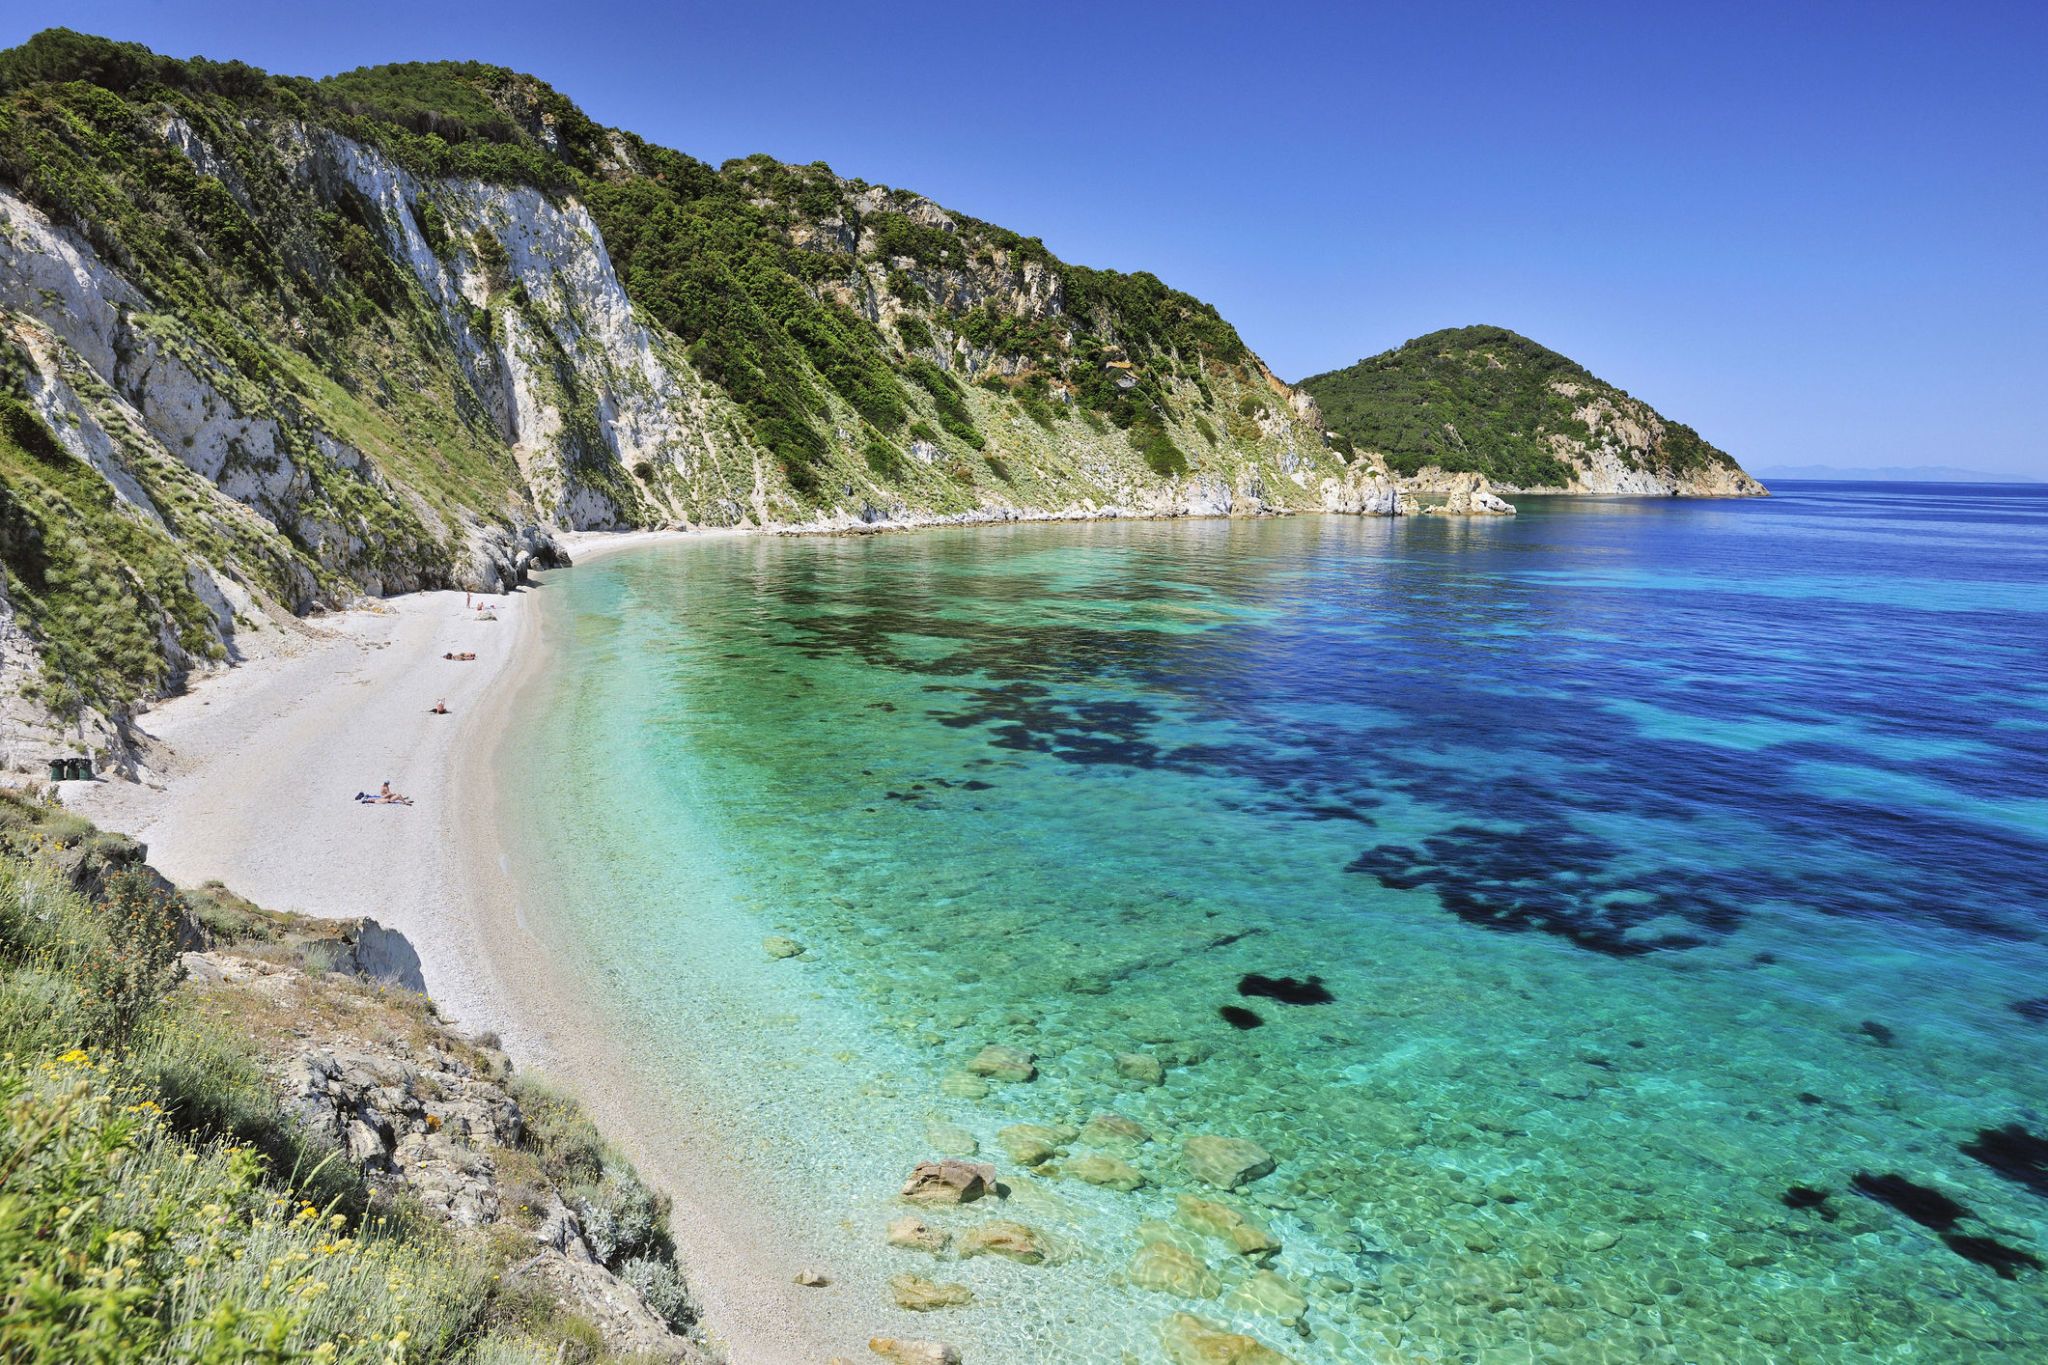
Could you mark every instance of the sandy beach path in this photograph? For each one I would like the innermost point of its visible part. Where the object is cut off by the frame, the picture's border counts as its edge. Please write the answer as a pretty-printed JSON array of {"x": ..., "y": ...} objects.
[{"x": 258, "y": 768}]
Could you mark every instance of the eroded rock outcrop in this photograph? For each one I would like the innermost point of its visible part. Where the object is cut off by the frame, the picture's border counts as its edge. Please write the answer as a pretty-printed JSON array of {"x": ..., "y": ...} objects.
[{"x": 424, "y": 1110}]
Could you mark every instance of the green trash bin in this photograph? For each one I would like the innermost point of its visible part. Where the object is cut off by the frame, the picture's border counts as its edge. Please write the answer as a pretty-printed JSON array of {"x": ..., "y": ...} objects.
[
  {"x": 81, "y": 770},
  {"x": 60, "y": 768}
]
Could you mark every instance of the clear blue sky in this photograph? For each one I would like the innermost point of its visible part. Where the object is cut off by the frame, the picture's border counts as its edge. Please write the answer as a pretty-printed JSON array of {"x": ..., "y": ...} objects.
[{"x": 1818, "y": 232}]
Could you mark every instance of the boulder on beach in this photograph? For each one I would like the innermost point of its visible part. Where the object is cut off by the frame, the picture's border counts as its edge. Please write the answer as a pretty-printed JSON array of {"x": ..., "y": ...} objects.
[
  {"x": 1029, "y": 1144},
  {"x": 1013, "y": 1241},
  {"x": 1225, "y": 1162},
  {"x": 920, "y": 1295},
  {"x": 1004, "y": 1063},
  {"x": 1137, "y": 1066},
  {"x": 914, "y": 1352},
  {"x": 775, "y": 945},
  {"x": 1167, "y": 1269},
  {"x": 1191, "y": 1341},
  {"x": 1112, "y": 1173},
  {"x": 914, "y": 1234},
  {"x": 1244, "y": 1234},
  {"x": 812, "y": 1279},
  {"x": 948, "y": 1182}
]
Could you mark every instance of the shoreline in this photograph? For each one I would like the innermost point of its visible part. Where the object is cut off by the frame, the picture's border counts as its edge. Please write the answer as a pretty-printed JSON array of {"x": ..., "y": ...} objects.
[
  {"x": 740, "y": 1248},
  {"x": 251, "y": 779}
]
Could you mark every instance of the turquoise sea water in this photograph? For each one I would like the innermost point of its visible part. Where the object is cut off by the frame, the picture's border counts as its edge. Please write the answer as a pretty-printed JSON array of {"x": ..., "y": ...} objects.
[{"x": 1677, "y": 875}]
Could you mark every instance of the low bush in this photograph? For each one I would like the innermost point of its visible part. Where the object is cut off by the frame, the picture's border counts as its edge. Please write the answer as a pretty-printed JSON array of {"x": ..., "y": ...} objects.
[
  {"x": 120, "y": 1242},
  {"x": 157, "y": 1205}
]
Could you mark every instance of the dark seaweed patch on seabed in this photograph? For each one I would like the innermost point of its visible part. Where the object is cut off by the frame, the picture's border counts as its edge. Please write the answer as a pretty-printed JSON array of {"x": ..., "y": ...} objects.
[
  {"x": 1287, "y": 990},
  {"x": 1932, "y": 1209},
  {"x": 1924, "y": 1204},
  {"x": 2003, "y": 1260},
  {"x": 1806, "y": 1198},
  {"x": 1551, "y": 877},
  {"x": 2015, "y": 1153}
]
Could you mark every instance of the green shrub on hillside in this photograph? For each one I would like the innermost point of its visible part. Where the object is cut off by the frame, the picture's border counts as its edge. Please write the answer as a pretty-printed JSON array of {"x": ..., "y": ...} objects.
[
  {"x": 947, "y": 400},
  {"x": 916, "y": 336},
  {"x": 1158, "y": 449}
]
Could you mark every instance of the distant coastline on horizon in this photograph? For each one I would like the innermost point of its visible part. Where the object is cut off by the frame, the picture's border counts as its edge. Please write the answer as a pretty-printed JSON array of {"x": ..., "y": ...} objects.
[{"x": 1922, "y": 473}]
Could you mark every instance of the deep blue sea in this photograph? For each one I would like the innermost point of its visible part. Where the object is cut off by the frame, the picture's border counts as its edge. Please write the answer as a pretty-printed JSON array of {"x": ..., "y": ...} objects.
[{"x": 1625, "y": 925}]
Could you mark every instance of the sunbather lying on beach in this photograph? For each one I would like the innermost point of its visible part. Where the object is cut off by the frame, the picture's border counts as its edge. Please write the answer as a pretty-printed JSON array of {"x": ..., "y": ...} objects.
[
  {"x": 439, "y": 708},
  {"x": 460, "y": 658},
  {"x": 384, "y": 797}
]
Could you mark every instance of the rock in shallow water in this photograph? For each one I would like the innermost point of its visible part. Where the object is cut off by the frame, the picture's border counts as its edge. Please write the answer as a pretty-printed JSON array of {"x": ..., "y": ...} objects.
[
  {"x": 948, "y": 1182},
  {"x": 1270, "y": 1295},
  {"x": 914, "y": 1352},
  {"x": 914, "y": 1234},
  {"x": 1167, "y": 1269},
  {"x": 1136, "y": 1066},
  {"x": 1112, "y": 1173},
  {"x": 1004, "y": 1063},
  {"x": 1191, "y": 1341},
  {"x": 1014, "y": 1241},
  {"x": 775, "y": 945},
  {"x": 1114, "y": 1131},
  {"x": 1029, "y": 1144},
  {"x": 950, "y": 1139},
  {"x": 1225, "y": 1162},
  {"x": 1245, "y": 1235},
  {"x": 920, "y": 1295}
]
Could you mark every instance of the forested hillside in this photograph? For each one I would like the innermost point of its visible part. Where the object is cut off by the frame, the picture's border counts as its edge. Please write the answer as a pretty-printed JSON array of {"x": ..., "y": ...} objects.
[{"x": 1485, "y": 400}]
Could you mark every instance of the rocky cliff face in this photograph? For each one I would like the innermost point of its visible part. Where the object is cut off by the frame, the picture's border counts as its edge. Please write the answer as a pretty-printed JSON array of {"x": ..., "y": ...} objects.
[
  {"x": 267, "y": 345},
  {"x": 1486, "y": 402}
]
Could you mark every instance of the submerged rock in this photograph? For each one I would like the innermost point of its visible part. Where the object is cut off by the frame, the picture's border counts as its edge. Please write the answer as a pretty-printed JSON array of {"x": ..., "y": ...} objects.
[
  {"x": 950, "y": 1139},
  {"x": 920, "y": 1295},
  {"x": 1245, "y": 1235},
  {"x": 1190, "y": 1341},
  {"x": 1270, "y": 1295},
  {"x": 948, "y": 1182},
  {"x": 1004, "y": 1063},
  {"x": 1029, "y": 1144},
  {"x": 1115, "y": 1131},
  {"x": 775, "y": 945},
  {"x": 1014, "y": 1241},
  {"x": 1110, "y": 1172},
  {"x": 1167, "y": 1269},
  {"x": 914, "y": 1352},
  {"x": 1225, "y": 1162},
  {"x": 964, "y": 1087},
  {"x": 914, "y": 1234},
  {"x": 1137, "y": 1066}
]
